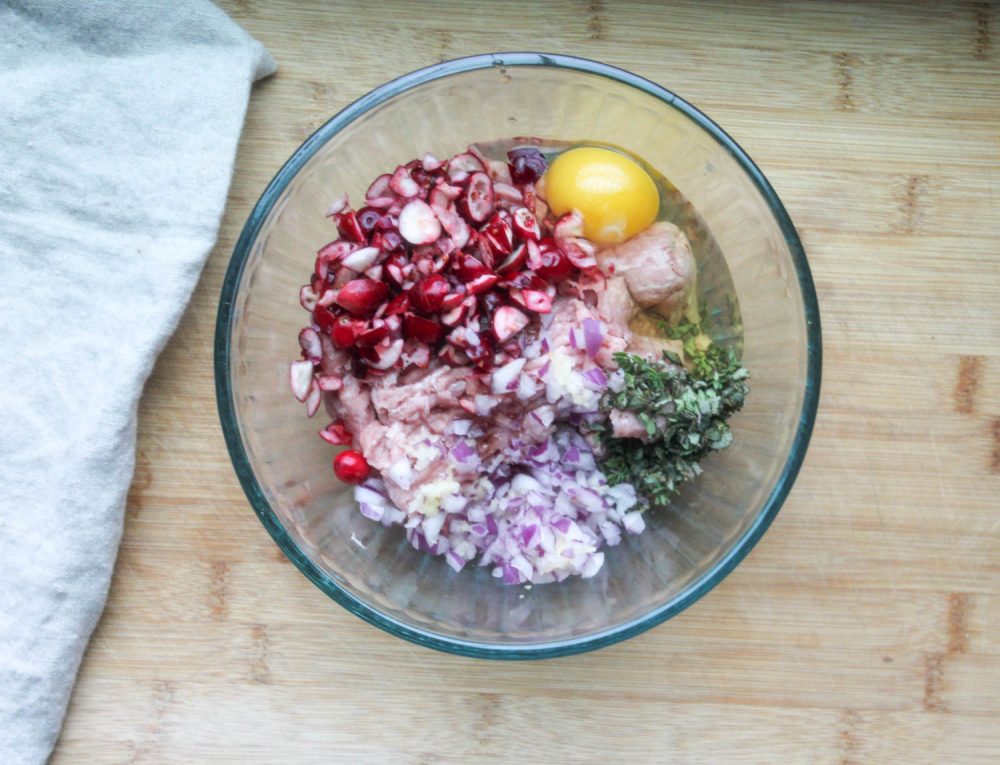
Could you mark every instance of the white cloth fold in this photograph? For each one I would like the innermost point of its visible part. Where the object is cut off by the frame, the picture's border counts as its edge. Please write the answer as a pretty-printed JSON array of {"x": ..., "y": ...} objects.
[{"x": 119, "y": 121}]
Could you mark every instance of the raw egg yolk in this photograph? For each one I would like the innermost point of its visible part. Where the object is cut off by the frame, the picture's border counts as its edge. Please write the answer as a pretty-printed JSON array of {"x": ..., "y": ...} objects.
[{"x": 616, "y": 197}]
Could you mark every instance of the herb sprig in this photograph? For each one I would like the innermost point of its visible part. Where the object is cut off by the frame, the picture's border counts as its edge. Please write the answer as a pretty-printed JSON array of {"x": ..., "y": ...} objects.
[{"x": 684, "y": 412}]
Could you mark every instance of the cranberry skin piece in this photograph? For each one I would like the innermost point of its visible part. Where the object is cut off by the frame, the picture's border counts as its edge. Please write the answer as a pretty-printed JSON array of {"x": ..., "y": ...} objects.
[
  {"x": 476, "y": 202},
  {"x": 351, "y": 466},
  {"x": 526, "y": 165},
  {"x": 427, "y": 294}
]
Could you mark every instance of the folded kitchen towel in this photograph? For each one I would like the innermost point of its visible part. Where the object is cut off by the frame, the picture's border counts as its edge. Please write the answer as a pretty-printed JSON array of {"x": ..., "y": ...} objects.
[{"x": 119, "y": 121}]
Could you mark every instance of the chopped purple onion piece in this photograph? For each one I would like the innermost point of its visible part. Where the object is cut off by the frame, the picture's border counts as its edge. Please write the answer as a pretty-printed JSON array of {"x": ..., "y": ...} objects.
[{"x": 593, "y": 335}]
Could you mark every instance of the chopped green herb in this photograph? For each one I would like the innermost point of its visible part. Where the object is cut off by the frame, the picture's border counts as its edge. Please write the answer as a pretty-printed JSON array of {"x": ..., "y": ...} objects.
[{"x": 684, "y": 412}]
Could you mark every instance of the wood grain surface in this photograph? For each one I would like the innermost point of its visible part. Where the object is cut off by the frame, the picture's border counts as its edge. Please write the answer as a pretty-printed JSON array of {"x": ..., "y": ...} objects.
[{"x": 863, "y": 628}]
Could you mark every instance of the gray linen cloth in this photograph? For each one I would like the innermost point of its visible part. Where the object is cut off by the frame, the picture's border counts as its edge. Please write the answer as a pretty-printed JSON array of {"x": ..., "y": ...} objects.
[{"x": 119, "y": 121}]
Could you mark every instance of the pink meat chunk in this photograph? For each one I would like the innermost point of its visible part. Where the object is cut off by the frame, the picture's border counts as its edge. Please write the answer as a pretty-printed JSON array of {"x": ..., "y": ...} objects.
[{"x": 657, "y": 266}]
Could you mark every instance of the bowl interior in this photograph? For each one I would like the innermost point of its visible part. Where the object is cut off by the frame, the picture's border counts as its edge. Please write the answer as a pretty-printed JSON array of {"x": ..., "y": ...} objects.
[{"x": 687, "y": 547}]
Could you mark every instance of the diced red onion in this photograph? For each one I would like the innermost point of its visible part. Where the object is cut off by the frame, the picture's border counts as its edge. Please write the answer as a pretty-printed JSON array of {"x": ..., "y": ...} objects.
[
  {"x": 462, "y": 451},
  {"x": 485, "y": 404},
  {"x": 593, "y": 335},
  {"x": 504, "y": 379},
  {"x": 633, "y": 522},
  {"x": 372, "y": 512},
  {"x": 596, "y": 376}
]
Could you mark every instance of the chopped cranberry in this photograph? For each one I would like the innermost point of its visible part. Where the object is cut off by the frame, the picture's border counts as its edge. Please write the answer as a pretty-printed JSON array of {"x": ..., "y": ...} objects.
[
  {"x": 323, "y": 317},
  {"x": 349, "y": 228},
  {"x": 428, "y": 293},
  {"x": 555, "y": 266},
  {"x": 420, "y": 328}
]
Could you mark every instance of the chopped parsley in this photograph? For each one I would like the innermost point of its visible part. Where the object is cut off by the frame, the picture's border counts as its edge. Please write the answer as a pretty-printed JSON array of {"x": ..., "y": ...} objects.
[{"x": 683, "y": 409}]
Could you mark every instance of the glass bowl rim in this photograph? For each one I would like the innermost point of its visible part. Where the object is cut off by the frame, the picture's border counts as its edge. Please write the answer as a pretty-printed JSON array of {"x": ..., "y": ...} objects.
[{"x": 428, "y": 638}]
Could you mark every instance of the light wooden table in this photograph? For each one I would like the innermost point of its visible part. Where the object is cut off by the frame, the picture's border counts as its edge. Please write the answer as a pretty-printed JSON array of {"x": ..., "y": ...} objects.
[{"x": 863, "y": 628}]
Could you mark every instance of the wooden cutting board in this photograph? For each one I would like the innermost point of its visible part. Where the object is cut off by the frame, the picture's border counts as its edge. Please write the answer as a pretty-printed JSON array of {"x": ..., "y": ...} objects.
[{"x": 863, "y": 628}]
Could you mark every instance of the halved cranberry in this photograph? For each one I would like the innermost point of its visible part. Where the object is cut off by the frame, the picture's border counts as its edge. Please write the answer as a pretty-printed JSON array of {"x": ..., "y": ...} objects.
[
  {"x": 554, "y": 265},
  {"x": 476, "y": 202},
  {"x": 368, "y": 219},
  {"x": 580, "y": 252},
  {"x": 361, "y": 259},
  {"x": 454, "y": 224},
  {"x": 379, "y": 187},
  {"x": 331, "y": 254},
  {"x": 362, "y": 296},
  {"x": 507, "y": 322},
  {"x": 499, "y": 236},
  {"x": 349, "y": 228},
  {"x": 429, "y": 292},
  {"x": 461, "y": 166},
  {"x": 418, "y": 223},
  {"x": 513, "y": 262},
  {"x": 438, "y": 200},
  {"x": 372, "y": 336},
  {"x": 536, "y": 301},
  {"x": 454, "y": 316},
  {"x": 430, "y": 163},
  {"x": 336, "y": 433},
  {"x": 525, "y": 223},
  {"x": 343, "y": 332},
  {"x": 420, "y": 328},
  {"x": 403, "y": 184},
  {"x": 482, "y": 283},
  {"x": 397, "y": 305},
  {"x": 527, "y": 165},
  {"x": 453, "y": 299},
  {"x": 468, "y": 268},
  {"x": 324, "y": 318}
]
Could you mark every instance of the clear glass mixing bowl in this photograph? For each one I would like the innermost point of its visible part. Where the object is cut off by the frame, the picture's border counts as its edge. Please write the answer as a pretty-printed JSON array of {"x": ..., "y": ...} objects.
[{"x": 689, "y": 547}]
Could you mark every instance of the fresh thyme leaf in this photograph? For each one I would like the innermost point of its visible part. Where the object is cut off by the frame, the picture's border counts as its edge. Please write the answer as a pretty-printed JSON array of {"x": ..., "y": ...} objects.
[{"x": 683, "y": 411}]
